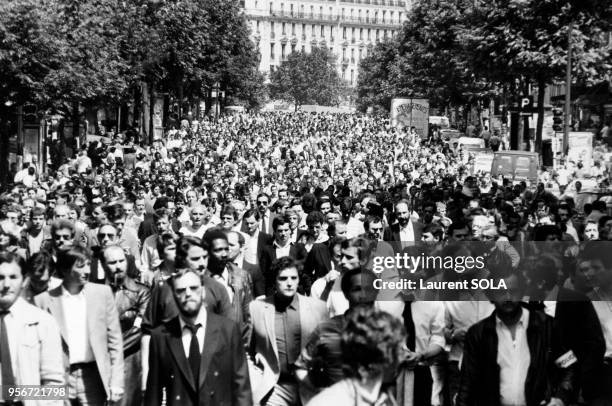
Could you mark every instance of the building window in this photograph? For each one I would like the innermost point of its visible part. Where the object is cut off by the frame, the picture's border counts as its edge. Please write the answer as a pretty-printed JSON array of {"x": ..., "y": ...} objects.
[
  {"x": 271, "y": 8},
  {"x": 321, "y": 12},
  {"x": 384, "y": 15},
  {"x": 292, "y": 48},
  {"x": 283, "y": 28},
  {"x": 361, "y": 34},
  {"x": 352, "y": 55},
  {"x": 343, "y": 74},
  {"x": 257, "y": 24},
  {"x": 367, "y": 16},
  {"x": 360, "y": 55},
  {"x": 283, "y": 51},
  {"x": 302, "y": 10},
  {"x": 369, "y": 34},
  {"x": 343, "y": 53},
  {"x": 359, "y": 15},
  {"x": 322, "y": 31},
  {"x": 376, "y": 16},
  {"x": 291, "y": 10},
  {"x": 352, "y": 76},
  {"x": 353, "y": 35},
  {"x": 344, "y": 33},
  {"x": 292, "y": 28},
  {"x": 272, "y": 52},
  {"x": 312, "y": 31},
  {"x": 342, "y": 14}
]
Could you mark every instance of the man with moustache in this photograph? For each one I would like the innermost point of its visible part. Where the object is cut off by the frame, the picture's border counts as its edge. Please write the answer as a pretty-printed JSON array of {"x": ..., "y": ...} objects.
[
  {"x": 30, "y": 342},
  {"x": 197, "y": 357},
  {"x": 405, "y": 230},
  {"x": 510, "y": 357},
  {"x": 131, "y": 299},
  {"x": 192, "y": 254}
]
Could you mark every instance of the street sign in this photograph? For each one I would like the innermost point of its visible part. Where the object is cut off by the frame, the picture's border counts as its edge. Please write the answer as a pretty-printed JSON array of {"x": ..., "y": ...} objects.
[{"x": 524, "y": 104}]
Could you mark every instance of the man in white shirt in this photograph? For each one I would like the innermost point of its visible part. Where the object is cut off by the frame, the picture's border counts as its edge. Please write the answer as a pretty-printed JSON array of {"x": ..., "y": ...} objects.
[
  {"x": 510, "y": 358},
  {"x": 89, "y": 321},
  {"x": 30, "y": 341}
]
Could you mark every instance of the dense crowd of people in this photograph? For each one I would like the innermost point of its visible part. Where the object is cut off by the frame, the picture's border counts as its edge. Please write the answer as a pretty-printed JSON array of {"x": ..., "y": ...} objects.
[{"x": 234, "y": 262}]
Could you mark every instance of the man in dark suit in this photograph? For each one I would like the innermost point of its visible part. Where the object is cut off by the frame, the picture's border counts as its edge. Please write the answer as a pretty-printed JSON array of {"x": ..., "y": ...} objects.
[
  {"x": 236, "y": 243},
  {"x": 405, "y": 230},
  {"x": 257, "y": 240},
  {"x": 191, "y": 373},
  {"x": 281, "y": 247}
]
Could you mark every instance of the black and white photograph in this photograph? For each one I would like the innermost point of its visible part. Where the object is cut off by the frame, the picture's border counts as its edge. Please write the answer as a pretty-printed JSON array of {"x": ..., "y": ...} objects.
[{"x": 305, "y": 203}]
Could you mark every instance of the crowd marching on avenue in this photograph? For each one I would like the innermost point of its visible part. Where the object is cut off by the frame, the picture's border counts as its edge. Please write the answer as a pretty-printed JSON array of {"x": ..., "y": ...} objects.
[{"x": 258, "y": 259}]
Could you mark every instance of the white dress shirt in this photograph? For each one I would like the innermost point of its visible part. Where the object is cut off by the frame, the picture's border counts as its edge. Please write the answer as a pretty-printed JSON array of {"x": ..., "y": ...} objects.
[
  {"x": 186, "y": 333},
  {"x": 250, "y": 252},
  {"x": 223, "y": 279},
  {"x": 75, "y": 317},
  {"x": 282, "y": 251},
  {"x": 513, "y": 358},
  {"x": 603, "y": 308},
  {"x": 407, "y": 233}
]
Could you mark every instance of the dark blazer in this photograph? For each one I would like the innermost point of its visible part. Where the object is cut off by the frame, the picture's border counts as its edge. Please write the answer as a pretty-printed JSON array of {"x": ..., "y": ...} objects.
[
  {"x": 224, "y": 377},
  {"x": 392, "y": 233},
  {"x": 480, "y": 372},
  {"x": 268, "y": 256},
  {"x": 318, "y": 262},
  {"x": 162, "y": 306},
  {"x": 577, "y": 327},
  {"x": 259, "y": 284}
]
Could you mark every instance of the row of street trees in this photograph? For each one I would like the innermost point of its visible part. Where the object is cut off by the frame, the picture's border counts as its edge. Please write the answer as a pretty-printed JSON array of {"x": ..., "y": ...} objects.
[
  {"x": 66, "y": 55},
  {"x": 464, "y": 52}
]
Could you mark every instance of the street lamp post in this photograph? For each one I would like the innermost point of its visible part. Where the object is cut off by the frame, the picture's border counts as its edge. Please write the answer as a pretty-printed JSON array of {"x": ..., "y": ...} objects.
[{"x": 568, "y": 90}]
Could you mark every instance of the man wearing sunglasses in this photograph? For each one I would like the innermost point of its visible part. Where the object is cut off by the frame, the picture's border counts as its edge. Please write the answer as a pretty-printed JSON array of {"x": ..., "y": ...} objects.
[{"x": 263, "y": 202}]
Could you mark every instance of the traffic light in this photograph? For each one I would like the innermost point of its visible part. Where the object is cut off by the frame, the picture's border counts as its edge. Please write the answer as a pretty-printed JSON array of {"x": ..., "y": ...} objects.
[{"x": 558, "y": 119}]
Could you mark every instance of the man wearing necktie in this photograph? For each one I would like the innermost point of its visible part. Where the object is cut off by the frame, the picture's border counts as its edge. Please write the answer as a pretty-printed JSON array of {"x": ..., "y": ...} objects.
[
  {"x": 197, "y": 357},
  {"x": 264, "y": 213},
  {"x": 30, "y": 343}
]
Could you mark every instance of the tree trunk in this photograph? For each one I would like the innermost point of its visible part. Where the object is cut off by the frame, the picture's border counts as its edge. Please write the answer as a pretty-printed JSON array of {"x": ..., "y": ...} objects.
[
  {"x": 180, "y": 101},
  {"x": 137, "y": 107},
  {"x": 75, "y": 124},
  {"x": 151, "y": 112},
  {"x": 541, "y": 109}
]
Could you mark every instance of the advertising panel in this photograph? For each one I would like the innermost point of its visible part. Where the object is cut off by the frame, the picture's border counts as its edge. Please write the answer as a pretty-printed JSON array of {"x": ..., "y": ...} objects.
[{"x": 411, "y": 113}]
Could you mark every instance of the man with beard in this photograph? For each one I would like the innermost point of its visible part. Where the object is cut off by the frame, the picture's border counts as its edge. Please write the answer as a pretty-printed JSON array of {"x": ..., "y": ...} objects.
[
  {"x": 131, "y": 299},
  {"x": 236, "y": 281},
  {"x": 192, "y": 373},
  {"x": 192, "y": 254},
  {"x": 405, "y": 230},
  {"x": 510, "y": 357}
]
